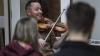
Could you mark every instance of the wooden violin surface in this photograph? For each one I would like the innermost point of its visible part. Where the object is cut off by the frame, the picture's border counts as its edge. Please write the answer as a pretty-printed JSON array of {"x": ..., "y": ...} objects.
[{"x": 43, "y": 26}]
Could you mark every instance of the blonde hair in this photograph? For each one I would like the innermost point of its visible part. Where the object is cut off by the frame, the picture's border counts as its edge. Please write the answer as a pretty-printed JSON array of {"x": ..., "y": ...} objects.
[{"x": 26, "y": 31}]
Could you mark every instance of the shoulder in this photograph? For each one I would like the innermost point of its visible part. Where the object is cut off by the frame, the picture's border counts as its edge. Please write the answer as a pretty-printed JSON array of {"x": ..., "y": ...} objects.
[
  {"x": 6, "y": 51},
  {"x": 9, "y": 50}
]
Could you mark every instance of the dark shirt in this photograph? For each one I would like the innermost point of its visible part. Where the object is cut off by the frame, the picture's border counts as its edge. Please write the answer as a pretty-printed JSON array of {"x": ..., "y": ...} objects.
[
  {"x": 77, "y": 49},
  {"x": 14, "y": 49}
]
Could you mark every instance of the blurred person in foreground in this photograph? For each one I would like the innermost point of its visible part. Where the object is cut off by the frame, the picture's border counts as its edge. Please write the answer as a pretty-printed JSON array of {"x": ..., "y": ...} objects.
[
  {"x": 24, "y": 41},
  {"x": 80, "y": 20}
]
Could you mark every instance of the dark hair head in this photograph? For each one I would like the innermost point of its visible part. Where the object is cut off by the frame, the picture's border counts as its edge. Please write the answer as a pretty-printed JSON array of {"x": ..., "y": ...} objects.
[
  {"x": 26, "y": 31},
  {"x": 28, "y": 4},
  {"x": 43, "y": 3},
  {"x": 80, "y": 17}
]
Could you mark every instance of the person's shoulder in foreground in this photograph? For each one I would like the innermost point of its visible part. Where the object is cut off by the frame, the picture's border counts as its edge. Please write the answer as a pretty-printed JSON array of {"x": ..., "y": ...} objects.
[
  {"x": 14, "y": 49},
  {"x": 77, "y": 49}
]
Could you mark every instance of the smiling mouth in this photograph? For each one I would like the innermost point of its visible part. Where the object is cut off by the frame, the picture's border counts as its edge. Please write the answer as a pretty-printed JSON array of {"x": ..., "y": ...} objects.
[{"x": 39, "y": 17}]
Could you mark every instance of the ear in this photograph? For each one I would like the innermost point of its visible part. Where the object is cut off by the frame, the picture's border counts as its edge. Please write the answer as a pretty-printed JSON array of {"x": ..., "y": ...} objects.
[{"x": 28, "y": 13}]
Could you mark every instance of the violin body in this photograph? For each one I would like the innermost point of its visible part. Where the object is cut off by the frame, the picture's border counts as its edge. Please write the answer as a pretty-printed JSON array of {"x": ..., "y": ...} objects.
[
  {"x": 42, "y": 26},
  {"x": 60, "y": 29},
  {"x": 47, "y": 24}
]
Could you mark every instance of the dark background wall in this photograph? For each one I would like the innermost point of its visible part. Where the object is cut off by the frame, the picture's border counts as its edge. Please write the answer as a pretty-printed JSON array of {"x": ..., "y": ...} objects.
[
  {"x": 54, "y": 9},
  {"x": 1, "y": 8}
]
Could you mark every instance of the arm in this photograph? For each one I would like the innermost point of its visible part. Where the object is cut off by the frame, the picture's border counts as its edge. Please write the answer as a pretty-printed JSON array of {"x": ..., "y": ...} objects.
[
  {"x": 60, "y": 40},
  {"x": 60, "y": 27},
  {"x": 41, "y": 41}
]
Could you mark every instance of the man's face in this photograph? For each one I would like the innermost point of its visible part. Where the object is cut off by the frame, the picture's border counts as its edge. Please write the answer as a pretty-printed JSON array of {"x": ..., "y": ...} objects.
[{"x": 36, "y": 10}]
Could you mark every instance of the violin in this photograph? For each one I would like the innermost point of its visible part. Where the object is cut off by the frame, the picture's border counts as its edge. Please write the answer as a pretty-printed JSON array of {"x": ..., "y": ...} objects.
[
  {"x": 60, "y": 29},
  {"x": 44, "y": 26}
]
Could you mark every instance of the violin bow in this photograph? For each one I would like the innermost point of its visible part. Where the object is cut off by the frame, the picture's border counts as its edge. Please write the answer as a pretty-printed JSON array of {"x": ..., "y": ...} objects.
[{"x": 54, "y": 24}]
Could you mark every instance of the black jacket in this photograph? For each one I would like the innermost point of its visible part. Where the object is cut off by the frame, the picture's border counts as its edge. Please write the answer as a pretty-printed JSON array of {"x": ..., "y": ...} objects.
[{"x": 77, "y": 49}]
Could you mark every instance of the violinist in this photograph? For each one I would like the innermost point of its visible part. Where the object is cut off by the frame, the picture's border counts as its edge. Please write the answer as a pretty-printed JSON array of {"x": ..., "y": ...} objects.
[{"x": 33, "y": 9}]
